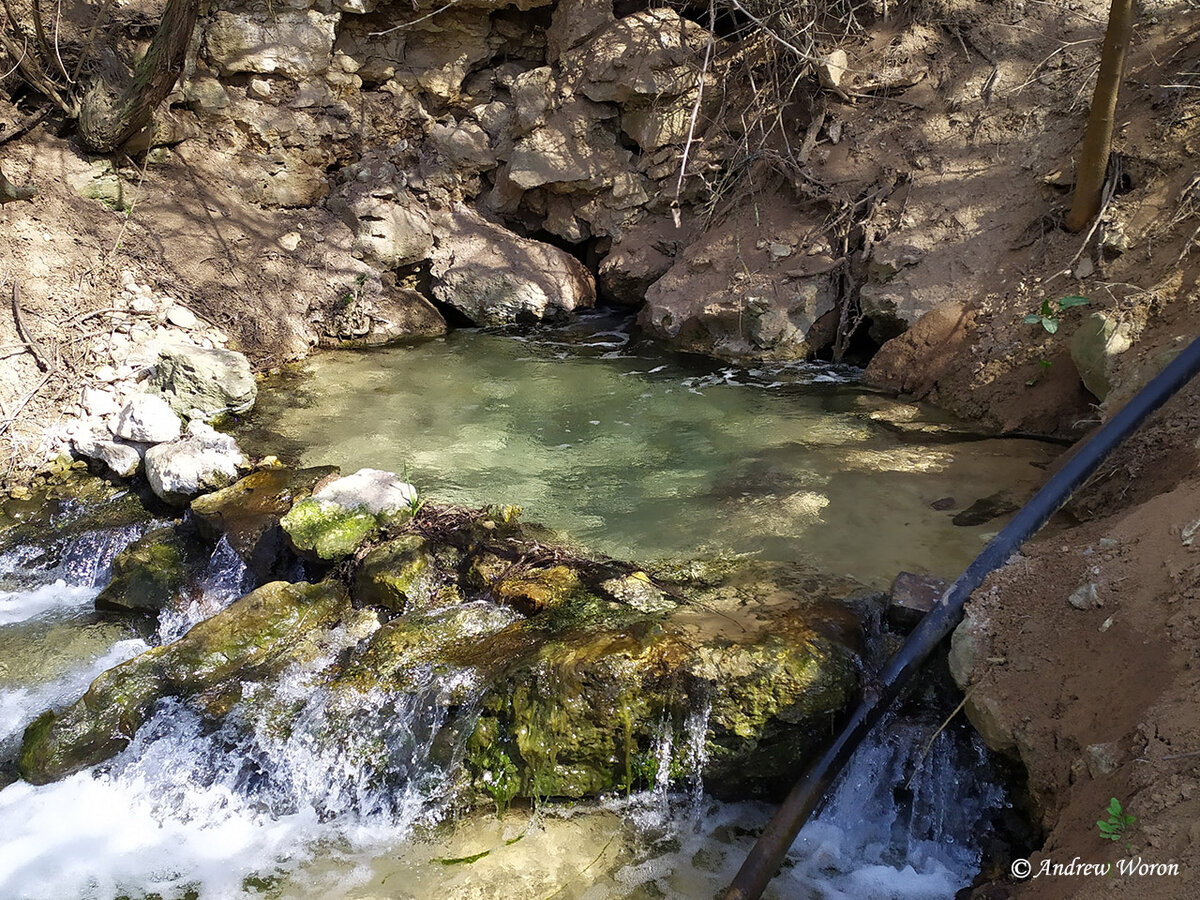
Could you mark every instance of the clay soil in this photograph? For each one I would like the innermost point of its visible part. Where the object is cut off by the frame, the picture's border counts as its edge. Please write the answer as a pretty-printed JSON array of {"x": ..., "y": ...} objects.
[{"x": 1097, "y": 702}]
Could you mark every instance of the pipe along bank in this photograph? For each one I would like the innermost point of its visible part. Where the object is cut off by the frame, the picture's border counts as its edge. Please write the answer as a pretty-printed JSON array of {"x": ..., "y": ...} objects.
[{"x": 767, "y": 854}]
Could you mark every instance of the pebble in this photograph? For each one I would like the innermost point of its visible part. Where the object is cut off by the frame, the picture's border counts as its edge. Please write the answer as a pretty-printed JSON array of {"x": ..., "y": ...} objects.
[
  {"x": 260, "y": 88},
  {"x": 290, "y": 241},
  {"x": 142, "y": 304}
]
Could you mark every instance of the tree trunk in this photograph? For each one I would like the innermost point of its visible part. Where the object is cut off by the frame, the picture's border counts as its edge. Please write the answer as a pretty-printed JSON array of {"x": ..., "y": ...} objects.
[
  {"x": 1097, "y": 142},
  {"x": 110, "y": 116}
]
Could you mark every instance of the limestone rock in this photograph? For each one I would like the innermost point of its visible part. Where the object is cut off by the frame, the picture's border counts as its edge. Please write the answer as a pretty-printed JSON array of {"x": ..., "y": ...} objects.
[
  {"x": 290, "y": 42},
  {"x": 1095, "y": 345},
  {"x": 652, "y": 53},
  {"x": 391, "y": 227},
  {"x": 570, "y": 148},
  {"x": 495, "y": 277},
  {"x": 203, "y": 460},
  {"x": 289, "y": 181},
  {"x": 147, "y": 418},
  {"x": 121, "y": 459},
  {"x": 261, "y": 633},
  {"x": 634, "y": 263},
  {"x": 757, "y": 316},
  {"x": 575, "y": 21},
  {"x": 247, "y": 513},
  {"x": 204, "y": 382},
  {"x": 464, "y": 147},
  {"x": 395, "y": 315}
]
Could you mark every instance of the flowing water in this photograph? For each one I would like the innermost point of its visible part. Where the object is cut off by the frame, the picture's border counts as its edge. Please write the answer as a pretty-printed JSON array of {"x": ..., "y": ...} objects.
[
  {"x": 636, "y": 456},
  {"x": 642, "y": 455}
]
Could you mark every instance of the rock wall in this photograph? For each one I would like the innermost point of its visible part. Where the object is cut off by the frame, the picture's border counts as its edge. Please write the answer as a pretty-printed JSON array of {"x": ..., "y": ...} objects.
[{"x": 466, "y": 147}]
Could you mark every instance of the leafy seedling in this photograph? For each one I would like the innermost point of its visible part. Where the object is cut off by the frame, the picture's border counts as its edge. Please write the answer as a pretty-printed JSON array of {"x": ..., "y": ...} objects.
[
  {"x": 1048, "y": 315},
  {"x": 1113, "y": 829}
]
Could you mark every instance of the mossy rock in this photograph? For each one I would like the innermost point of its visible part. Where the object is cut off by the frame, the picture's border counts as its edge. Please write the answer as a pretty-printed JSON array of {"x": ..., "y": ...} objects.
[
  {"x": 254, "y": 637},
  {"x": 326, "y": 531},
  {"x": 151, "y": 571},
  {"x": 247, "y": 513},
  {"x": 583, "y": 713},
  {"x": 529, "y": 589},
  {"x": 404, "y": 574}
]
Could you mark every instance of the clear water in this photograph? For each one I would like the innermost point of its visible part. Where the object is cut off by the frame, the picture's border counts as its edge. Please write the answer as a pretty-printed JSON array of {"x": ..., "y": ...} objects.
[{"x": 642, "y": 455}]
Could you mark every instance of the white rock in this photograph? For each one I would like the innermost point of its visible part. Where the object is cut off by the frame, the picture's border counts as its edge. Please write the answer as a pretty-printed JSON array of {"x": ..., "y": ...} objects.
[
  {"x": 290, "y": 241},
  {"x": 106, "y": 373},
  {"x": 122, "y": 459},
  {"x": 98, "y": 402},
  {"x": 142, "y": 304},
  {"x": 147, "y": 418},
  {"x": 201, "y": 461},
  {"x": 182, "y": 317},
  {"x": 373, "y": 490},
  {"x": 260, "y": 88}
]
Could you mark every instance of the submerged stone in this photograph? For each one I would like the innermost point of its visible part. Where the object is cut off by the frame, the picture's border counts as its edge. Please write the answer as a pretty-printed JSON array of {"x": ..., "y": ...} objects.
[
  {"x": 148, "y": 573},
  {"x": 252, "y": 638},
  {"x": 399, "y": 575}
]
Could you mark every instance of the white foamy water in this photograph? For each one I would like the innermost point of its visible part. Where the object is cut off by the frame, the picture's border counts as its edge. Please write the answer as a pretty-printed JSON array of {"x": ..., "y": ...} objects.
[{"x": 57, "y": 597}]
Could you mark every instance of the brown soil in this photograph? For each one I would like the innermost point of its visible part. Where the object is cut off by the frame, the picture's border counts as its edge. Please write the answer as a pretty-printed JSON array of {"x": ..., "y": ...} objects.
[{"x": 981, "y": 169}]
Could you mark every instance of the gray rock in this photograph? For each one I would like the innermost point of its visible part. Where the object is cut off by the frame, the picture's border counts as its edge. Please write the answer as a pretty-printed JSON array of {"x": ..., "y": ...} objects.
[
  {"x": 147, "y": 418},
  {"x": 201, "y": 461},
  {"x": 912, "y": 597},
  {"x": 495, "y": 277},
  {"x": 204, "y": 383},
  {"x": 391, "y": 227},
  {"x": 122, "y": 460},
  {"x": 1095, "y": 345},
  {"x": 1085, "y": 597}
]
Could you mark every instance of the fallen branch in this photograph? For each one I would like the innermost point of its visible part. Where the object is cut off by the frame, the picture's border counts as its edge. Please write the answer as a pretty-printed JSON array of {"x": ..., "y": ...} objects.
[{"x": 25, "y": 335}]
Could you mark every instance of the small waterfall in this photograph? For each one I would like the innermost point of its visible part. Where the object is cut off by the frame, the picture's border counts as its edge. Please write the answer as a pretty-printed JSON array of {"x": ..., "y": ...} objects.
[{"x": 224, "y": 580}]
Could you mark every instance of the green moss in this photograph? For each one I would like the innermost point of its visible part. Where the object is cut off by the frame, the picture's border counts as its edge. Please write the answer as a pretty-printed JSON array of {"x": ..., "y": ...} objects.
[
  {"x": 397, "y": 575},
  {"x": 326, "y": 530}
]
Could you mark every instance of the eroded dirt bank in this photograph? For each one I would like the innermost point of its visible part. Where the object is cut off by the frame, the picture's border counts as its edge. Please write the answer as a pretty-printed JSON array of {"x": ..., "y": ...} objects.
[{"x": 337, "y": 192}]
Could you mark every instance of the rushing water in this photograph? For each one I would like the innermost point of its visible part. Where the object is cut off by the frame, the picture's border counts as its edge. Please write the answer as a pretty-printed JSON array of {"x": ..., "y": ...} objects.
[
  {"x": 247, "y": 810},
  {"x": 635, "y": 455},
  {"x": 642, "y": 455}
]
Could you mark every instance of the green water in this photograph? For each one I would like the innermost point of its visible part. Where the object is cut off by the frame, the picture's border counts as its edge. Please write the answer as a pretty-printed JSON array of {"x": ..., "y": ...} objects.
[{"x": 642, "y": 454}]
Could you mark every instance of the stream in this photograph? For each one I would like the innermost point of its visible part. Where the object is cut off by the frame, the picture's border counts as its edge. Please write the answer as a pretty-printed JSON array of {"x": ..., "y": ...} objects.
[{"x": 626, "y": 450}]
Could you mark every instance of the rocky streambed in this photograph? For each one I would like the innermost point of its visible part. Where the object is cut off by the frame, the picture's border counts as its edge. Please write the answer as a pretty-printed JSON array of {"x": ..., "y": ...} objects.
[{"x": 250, "y": 678}]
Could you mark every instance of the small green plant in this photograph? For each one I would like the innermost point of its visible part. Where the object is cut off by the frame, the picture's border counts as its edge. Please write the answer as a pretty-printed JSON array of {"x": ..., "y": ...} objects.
[
  {"x": 1113, "y": 829},
  {"x": 1048, "y": 315}
]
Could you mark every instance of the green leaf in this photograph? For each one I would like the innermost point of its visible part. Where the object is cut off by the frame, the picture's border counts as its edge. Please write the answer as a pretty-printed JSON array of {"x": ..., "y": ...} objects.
[
  {"x": 1073, "y": 300},
  {"x": 1050, "y": 324},
  {"x": 1032, "y": 319},
  {"x": 1114, "y": 806}
]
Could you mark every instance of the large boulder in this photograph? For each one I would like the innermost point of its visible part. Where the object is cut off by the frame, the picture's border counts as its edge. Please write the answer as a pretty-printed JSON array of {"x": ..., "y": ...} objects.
[
  {"x": 391, "y": 227},
  {"x": 202, "y": 383},
  {"x": 263, "y": 632},
  {"x": 340, "y": 515},
  {"x": 202, "y": 460},
  {"x": 1095, "y": 346},
  {"x": 750, "y": 287},
  {"x": 495, "y": 277}
]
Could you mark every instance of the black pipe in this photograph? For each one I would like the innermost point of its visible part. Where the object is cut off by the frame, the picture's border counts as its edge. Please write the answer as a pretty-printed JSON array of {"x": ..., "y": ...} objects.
[{"x": 765, "y": 858}]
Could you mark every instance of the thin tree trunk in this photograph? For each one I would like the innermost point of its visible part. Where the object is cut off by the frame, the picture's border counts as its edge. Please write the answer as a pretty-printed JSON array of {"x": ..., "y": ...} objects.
[
  {"x": 107, "y": 119},
  {"x": 1097, "y": 141}
]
